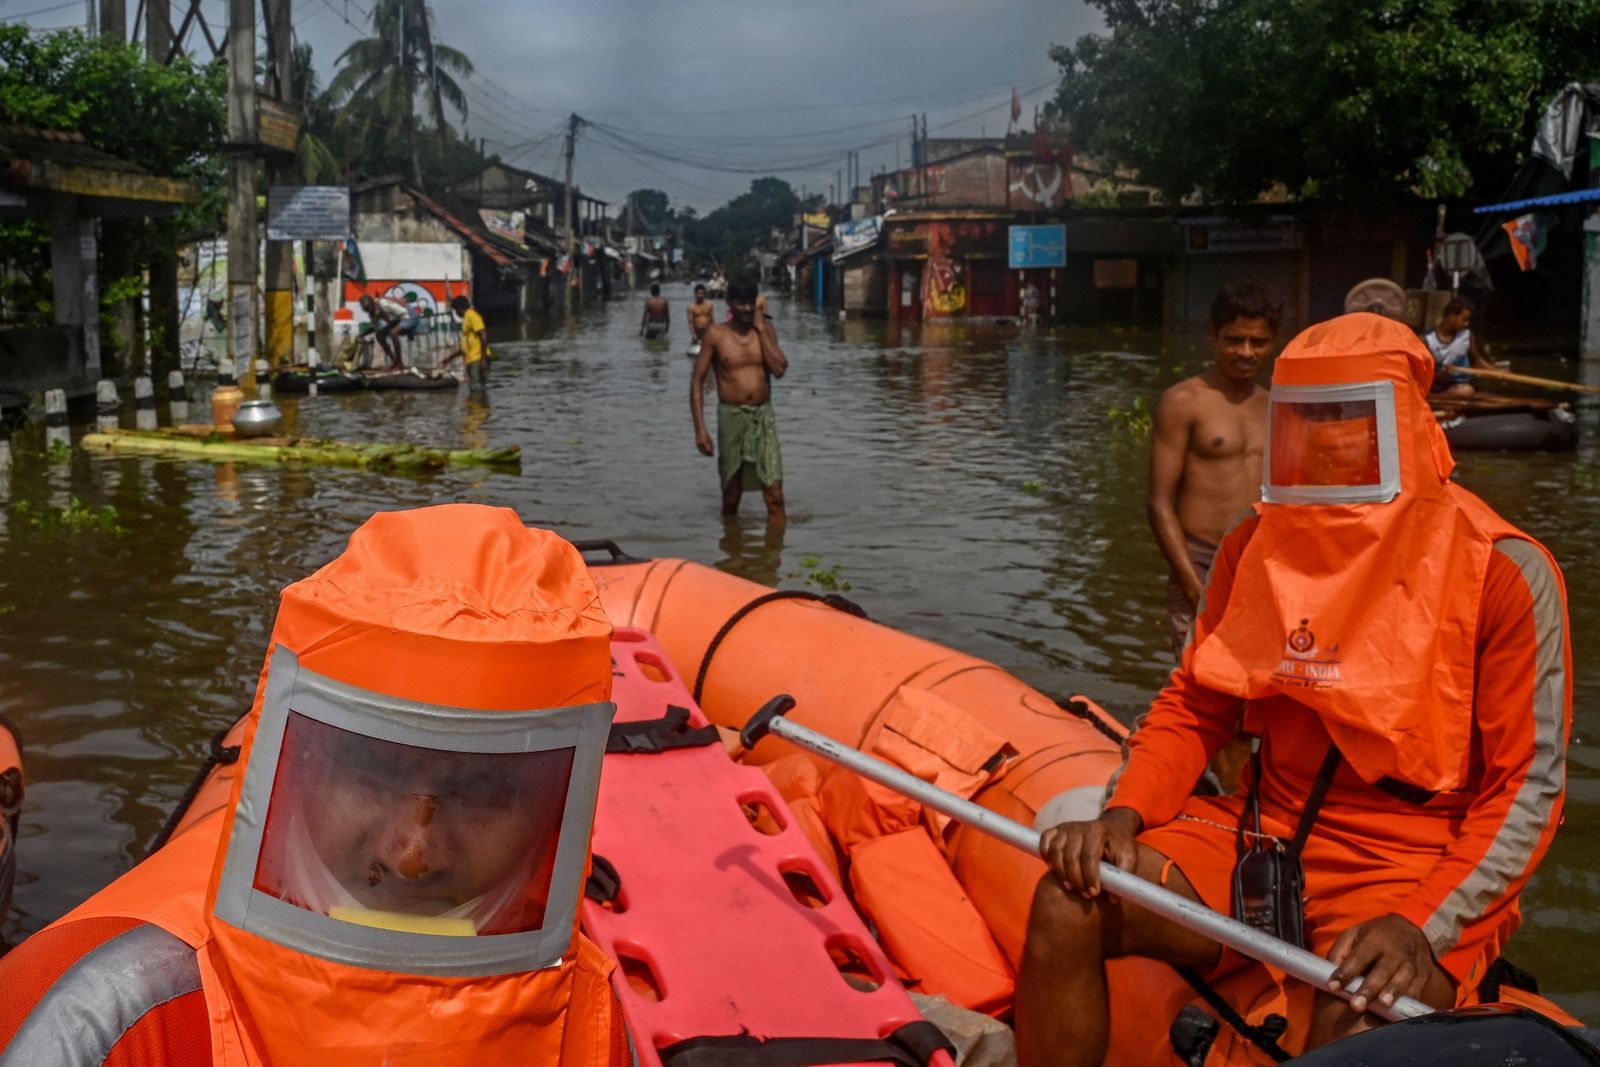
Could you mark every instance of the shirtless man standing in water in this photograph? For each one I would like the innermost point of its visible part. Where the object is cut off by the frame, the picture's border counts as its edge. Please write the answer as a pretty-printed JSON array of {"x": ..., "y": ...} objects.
[
  {"x": 1207, "y": 446},
  {"x": 702, "y": 313},
  {"x": 746, "y": 357}
]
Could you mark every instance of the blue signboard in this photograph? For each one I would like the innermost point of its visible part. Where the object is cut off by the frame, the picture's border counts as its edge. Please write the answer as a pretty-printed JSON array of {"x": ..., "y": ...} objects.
[{"x": 1038, "y": 246}]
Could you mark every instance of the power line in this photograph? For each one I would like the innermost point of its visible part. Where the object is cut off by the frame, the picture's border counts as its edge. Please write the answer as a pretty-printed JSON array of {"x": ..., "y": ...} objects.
[
  {"x": 817, "y": 159},
  {"x": 42, "y": 11}
]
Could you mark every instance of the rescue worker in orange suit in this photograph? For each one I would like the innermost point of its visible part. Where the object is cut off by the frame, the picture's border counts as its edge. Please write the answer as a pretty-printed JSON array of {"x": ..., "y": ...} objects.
[
  {"x": 396, "y": 878},
  {"x": 1369, "y": 604}
]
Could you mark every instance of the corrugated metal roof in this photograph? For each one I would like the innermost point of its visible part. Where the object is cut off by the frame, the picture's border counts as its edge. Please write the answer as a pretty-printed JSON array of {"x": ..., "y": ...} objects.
[{"x": 1580, "y": 196}]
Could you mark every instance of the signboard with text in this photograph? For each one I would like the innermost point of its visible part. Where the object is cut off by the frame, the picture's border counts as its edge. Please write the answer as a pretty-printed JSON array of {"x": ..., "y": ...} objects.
[
  {"x": 308, "y": 213},
  {"x": 855, "y": 235},
  {"x": 277, "y": 124},
  {"x": 1034, "y": 247},
  {"x": 1224, "y": 236}
]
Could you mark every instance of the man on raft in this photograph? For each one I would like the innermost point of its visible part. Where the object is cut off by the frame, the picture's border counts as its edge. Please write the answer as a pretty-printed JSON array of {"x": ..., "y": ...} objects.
[
  {"x": 396, "y": 876},
  {"x": 1389, "y": 635}
]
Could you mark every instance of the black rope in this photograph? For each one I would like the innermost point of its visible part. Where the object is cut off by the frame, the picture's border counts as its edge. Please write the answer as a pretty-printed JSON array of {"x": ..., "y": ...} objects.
[
  {"x": 833, "y": 600},
  {"x": 1264, "y": 1037},
  {"x": 1080, "y": 709},
  {"x": 219, "y": 755}
]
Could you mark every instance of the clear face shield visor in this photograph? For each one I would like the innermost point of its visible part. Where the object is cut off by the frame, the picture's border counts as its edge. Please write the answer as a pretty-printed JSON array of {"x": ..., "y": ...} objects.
[
  {"x": 409, "y": 837},
  {"x": 1332, "y": 444}
]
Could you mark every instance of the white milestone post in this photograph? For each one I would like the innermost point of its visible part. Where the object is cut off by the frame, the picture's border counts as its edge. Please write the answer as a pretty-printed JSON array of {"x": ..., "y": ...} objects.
[
  {"x": 105, "y": 405},
  {"x": 144, "y": 403},
  {"x": 57, "y": 435},
  {"x": 178, "y": 397}
]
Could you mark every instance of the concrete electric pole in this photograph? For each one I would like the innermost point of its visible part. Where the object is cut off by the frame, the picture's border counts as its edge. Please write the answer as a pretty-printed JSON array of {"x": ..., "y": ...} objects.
[
  {"x": 279, "y": 281},
  {"x": 243, "y": 238}
]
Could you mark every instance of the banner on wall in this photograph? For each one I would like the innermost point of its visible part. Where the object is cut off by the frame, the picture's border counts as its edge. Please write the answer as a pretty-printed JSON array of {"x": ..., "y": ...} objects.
[{"x": 853, "y": 236}]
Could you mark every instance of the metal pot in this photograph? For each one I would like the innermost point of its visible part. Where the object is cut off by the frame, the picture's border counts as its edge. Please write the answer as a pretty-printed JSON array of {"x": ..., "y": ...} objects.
[{"x": 257, "y": 418}]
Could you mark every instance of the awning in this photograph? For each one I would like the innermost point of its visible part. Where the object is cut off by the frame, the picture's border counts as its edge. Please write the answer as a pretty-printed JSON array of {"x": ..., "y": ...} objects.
[{"x": 1581, "y": 196}]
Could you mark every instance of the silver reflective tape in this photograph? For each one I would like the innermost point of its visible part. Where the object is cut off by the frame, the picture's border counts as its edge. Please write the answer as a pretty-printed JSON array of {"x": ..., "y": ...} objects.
[
  {"x": 96, "y": 1000},
  {"x": 1525, "y": 821},
  {"x": 582, "y": 728}
]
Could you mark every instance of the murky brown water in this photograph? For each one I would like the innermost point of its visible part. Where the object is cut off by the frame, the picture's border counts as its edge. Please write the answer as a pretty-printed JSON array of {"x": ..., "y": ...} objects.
[{"x": 969, "y": 485}]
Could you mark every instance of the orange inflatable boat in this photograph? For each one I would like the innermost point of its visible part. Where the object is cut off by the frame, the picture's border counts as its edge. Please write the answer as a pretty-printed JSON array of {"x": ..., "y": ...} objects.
[{"x": 949, "y": 904}]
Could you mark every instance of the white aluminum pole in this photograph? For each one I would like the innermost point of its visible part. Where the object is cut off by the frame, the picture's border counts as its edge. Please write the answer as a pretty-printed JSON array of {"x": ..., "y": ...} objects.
[{"x": 1296, "y": 962}]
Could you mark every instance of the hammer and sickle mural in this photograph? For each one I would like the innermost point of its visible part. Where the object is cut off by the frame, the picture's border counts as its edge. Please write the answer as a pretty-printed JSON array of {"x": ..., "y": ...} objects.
[{"x": 1037, "y": 184}]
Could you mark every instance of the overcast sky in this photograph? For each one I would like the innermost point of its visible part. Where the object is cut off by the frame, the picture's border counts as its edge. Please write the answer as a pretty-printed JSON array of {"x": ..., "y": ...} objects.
[{"x": 756, "y": 84}]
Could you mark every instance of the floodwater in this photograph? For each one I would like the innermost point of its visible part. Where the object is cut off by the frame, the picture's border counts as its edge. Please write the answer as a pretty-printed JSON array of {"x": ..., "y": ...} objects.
[{"x": 968, "y": 483}]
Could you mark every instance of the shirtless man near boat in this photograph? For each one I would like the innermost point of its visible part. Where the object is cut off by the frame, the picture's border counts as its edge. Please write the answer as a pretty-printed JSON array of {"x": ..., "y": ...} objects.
[
  {"x": 746, "y": 356},
  {"x": 1207, "y": 444}
]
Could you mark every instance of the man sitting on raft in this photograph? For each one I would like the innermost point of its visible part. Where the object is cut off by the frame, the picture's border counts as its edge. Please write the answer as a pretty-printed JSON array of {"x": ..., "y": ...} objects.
[
  {"x": 746, "y": 357},
  {"x": 1389, "y": 635}
]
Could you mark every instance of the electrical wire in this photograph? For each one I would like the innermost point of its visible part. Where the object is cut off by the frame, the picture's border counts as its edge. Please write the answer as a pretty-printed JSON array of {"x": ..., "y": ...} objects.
[{"x": 42, "y": 11}]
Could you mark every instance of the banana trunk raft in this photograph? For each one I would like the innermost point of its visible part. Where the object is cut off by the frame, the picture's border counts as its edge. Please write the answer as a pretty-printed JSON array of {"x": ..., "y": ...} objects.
[{"x": 204, "y": 442}]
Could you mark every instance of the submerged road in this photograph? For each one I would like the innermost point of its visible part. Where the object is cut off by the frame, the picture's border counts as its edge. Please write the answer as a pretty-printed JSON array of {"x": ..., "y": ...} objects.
[{"x": 970, "y": 485}]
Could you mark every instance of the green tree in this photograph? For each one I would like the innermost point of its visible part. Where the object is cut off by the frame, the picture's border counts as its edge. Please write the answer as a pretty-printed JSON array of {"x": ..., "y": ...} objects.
[
  {"x": 314, "y": 158},
  {"x": 381, "y": 79},
  {"x": 169, "y": 120},
  {"x": 1363, "y": 100},
  {"x": 733, "y": 230}
]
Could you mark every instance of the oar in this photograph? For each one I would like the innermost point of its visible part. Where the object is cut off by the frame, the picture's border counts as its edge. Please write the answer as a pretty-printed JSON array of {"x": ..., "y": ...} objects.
[
  {"x": 1297, "y": 962},
  {"x": 1525, "y": 379}
]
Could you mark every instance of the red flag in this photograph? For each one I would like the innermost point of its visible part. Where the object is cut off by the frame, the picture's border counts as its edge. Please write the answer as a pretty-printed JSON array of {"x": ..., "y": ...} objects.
[{"x": 1016, "y": 106}]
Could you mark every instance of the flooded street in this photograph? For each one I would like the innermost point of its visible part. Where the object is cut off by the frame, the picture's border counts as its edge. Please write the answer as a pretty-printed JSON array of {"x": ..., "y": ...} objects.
[{"x": 972, "y": 486}]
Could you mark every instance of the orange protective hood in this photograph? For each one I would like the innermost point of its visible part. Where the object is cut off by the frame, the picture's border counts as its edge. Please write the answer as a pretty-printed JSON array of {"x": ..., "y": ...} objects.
[
  {"x": 460, "y": 606},
  {"x": 1366, "y": 613}
]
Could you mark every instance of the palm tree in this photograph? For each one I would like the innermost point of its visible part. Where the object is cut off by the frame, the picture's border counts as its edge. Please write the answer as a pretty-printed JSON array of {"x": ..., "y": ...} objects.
[
  {"x": 314, "y": 160},
  {"x": 381, "y": 76}
]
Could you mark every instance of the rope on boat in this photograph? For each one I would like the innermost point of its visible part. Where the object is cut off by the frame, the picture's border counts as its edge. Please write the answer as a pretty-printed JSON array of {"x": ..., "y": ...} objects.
[
  {"x": 1080, "y": 709},
  {"x": 220, "y": 755},
  {"x": 833, "y": 600}
]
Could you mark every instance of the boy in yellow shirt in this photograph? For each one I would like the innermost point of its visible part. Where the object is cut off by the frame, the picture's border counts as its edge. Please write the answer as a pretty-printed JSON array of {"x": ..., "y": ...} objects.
[{"x": 474, "y": 342}]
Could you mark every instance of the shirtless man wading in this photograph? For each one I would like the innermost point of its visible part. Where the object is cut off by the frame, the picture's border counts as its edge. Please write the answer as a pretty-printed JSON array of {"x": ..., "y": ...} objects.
[
  {"x": 1207, "y": 444},
  {"x": 702, "y": 313},
  {"x": 656, "y": 316},
  {"x": 746, "y": 357}
]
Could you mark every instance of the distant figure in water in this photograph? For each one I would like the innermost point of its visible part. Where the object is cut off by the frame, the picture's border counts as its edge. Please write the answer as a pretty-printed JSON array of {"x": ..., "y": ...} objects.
[
  {"x": 702, "y": 313},
  {"x": 746, "y": 357},
  {"x": 656, "y": 316}
]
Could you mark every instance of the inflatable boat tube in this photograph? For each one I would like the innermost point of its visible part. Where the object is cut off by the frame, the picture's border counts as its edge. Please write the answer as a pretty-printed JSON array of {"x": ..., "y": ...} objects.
[
  {"x": 297, "y": 381},
  {"x": 1551, "y": 430},
  {"x": 412, "y": 381}
]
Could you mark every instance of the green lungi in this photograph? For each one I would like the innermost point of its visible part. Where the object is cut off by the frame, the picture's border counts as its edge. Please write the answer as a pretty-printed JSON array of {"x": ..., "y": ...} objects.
[{"x": 747, "y": 444}]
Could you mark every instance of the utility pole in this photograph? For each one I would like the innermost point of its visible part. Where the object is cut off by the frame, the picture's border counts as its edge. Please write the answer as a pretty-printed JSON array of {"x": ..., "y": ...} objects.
[
  {"x": 243, "y": 135},
  {"x": 1589, "y": 335},
  {"x": 114, "y": 19},
  {"x": 632, "y": 245},
  {"x": 566, "y": 207},
  {"x": 158, "y": 30},
  {"x": 279, "y": 282}
]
